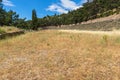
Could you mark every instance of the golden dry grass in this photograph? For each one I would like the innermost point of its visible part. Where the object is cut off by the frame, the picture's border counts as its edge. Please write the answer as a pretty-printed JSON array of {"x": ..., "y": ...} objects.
[{"x": 53, "y": 55}]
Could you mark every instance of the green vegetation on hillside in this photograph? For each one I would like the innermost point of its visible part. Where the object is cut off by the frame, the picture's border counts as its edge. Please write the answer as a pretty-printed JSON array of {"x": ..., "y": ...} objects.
[
  {"x": 89, "y": 11},
  {"x": 92, "y": 10}
]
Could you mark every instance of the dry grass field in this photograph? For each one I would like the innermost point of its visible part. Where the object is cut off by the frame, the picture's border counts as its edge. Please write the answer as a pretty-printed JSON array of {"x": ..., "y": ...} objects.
[{"x": 55, "y": 55}]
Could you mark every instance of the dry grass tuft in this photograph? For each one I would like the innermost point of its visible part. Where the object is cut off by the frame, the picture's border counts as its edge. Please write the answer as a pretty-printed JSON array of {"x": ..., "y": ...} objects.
[{"x": 53, "y": 55}]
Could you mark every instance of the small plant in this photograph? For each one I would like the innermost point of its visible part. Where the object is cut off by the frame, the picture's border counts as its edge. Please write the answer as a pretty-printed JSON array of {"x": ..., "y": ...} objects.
[
  {"x": 48, "y": 44},
  {"x": 105, "y": 39},
  {"x": 71, "y": 37},
  {"x": 2, "y": 31},
  {"x": 9, "y": 29},
  {"x": 117, "y": 40}
]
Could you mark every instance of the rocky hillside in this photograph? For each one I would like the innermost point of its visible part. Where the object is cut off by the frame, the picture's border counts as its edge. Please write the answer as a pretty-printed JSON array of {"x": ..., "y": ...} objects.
[
  {"x": 102, "y": 24},
  {"x": 112, "y": 17}
]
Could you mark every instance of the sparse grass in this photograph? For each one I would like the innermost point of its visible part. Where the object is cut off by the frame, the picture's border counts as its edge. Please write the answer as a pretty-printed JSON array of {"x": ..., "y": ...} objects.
[
  {"x": 53, "y": 55},
  {"x": 2, "y": 31},
  {"x": 105, "y": 40},
  {"x": 9, "y": 29},
  {"x": 117, "y": 40}
]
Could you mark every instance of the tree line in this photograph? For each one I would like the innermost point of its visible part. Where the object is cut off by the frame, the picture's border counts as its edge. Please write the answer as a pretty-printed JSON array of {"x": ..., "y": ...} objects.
[{"x": 90, "y": 10}]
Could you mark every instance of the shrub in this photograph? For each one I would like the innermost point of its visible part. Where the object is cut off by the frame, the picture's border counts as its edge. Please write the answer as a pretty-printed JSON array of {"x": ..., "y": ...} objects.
[
  {"x": 2, "y": 31},
  {"x": 105, "y": 40},
  {"x": 117, "y": 40}
]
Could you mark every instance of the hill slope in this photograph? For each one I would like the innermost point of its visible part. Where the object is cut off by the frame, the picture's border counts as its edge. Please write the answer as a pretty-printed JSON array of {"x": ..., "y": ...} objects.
[
  {"x": 89, "y": 11},
  {"x": 94, "y": 25},
  {"x": 114, "y": 17}
]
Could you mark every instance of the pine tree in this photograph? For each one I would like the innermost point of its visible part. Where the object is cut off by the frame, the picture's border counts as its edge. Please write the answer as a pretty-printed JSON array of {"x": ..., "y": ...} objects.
[
  {"x": 0, "y": 3},
  {"x": 2, "y": 14},
  {"x": 34, "y": 20}
]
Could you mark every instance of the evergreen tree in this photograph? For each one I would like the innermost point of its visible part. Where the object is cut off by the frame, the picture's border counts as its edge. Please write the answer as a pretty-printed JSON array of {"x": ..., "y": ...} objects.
[
  {"x": 9, "y": 18},
  {"x": 0, "y": 3},
  {"x": 34, "y": 20},
  {"x": 2, "y": 14}
]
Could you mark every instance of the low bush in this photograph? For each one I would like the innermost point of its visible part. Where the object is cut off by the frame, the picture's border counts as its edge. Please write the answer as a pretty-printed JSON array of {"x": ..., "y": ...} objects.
[{"x": 2, "y": 31}]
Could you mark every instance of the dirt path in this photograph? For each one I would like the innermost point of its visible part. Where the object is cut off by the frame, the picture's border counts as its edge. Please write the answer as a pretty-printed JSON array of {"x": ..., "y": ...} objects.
[{"x": 111, "y": 33}]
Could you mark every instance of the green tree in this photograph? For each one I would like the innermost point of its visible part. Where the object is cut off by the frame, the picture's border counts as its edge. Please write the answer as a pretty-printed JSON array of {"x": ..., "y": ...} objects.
[
  {"x": 21, "y": 23},
  {"x": 15, "y": 18},
  {"x": 11, "y": 18},
  {"x": 34, "y": 20},
  {"x": 0, "y": 3},
  {"x": 2, "y": 14}
]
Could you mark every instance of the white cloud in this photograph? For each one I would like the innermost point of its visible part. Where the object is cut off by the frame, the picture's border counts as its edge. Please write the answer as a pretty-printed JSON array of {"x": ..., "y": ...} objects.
[
  {"x": 64, "y": 6},
  {"x": 56, "y": 8},
  {"x": 69, "y": 4},
  {"x": 7, "y": 3}
]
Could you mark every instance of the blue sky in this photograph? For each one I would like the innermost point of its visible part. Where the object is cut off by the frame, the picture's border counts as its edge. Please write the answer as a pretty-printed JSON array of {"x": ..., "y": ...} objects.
[{"x": 43, "y": 7}]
